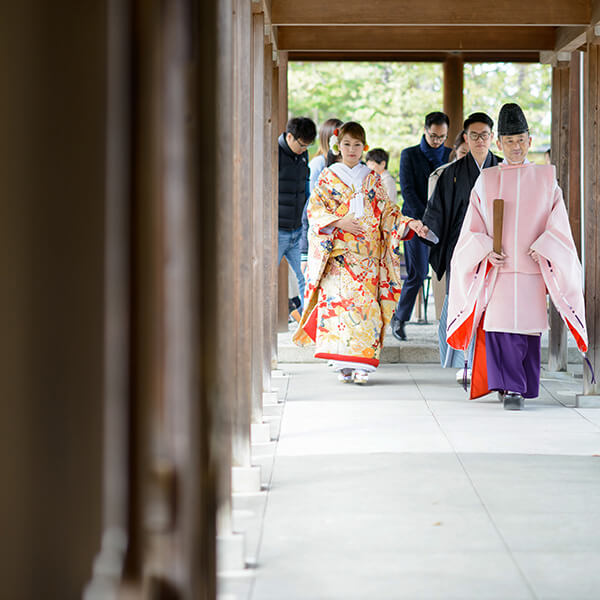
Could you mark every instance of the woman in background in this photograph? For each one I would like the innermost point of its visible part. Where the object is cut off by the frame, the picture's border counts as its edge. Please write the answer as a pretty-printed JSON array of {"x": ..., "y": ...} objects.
[{"x": 323, "y": 158}]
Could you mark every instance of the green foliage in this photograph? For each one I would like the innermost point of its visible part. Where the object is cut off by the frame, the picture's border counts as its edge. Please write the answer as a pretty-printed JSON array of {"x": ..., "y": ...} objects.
[
  {"x": 391, "y": 99},
  {"x": 490, "y": 85}
]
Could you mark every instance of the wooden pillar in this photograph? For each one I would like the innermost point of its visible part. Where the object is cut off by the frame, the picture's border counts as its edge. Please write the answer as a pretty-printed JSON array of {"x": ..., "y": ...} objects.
[
  {"x": 592, "y": 209},
  {"x": 108, "y": 565},
  {"x": 269, "y": 304},
  {"x": 275, "y": 212},
  {"x": 181, "y": 395},
  {"x": 557, "y": 337},
  {"x": 283, "y": 267},
  {"x": 453, "y": 94},
  {"x": 53, "y": 65},
  {"x": 144, "y": 313},
  {"x": 242, "y": 231},
  {"x": 258, "y": 176},
  {"x": 177, "y": 281},
  {"x": 230, "y": 549},
  {"x": 574, "y": 149}
]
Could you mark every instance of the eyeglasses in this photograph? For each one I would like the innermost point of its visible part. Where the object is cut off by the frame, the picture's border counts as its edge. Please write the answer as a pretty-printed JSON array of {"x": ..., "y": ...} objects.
[
  {"x": 436, "y": 138},
  {"x": 302, "y": 145},
  {"x": 484, "y": 135}
]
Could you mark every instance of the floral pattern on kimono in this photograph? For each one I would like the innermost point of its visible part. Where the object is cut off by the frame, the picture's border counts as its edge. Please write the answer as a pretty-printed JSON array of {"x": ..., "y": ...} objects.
[{"x": 353, "y": 282}]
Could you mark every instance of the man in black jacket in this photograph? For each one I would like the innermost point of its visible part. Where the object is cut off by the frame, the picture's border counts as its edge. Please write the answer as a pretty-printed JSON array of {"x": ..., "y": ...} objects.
[
  {"x": 294, "y": 177},
  {"x": 416, "y": 164},
  {"x": 446, "y": 208}
]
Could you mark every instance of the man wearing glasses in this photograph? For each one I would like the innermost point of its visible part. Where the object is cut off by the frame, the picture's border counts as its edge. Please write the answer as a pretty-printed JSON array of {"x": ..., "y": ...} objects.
[
  {"x": 446, "y": 210},
  {"x": 294, "y": 177},
  {"x": 416, "y": 164}
]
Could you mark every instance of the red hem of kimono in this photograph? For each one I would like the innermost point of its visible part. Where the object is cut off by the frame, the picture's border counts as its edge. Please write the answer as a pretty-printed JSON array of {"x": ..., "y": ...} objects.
[
  {"x": 460, "y": 338},
  {"x": 479, "y": 380},
  {"x": 374, "y": 362},
  {"x": 578, "y": 339},
  {"x": 310, "y": 325}
]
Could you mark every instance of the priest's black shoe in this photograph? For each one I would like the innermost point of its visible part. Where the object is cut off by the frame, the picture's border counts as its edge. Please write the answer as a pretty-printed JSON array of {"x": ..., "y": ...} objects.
[
  {"x": 398, "y": 329},
  {"x": 513, "y": 401}
]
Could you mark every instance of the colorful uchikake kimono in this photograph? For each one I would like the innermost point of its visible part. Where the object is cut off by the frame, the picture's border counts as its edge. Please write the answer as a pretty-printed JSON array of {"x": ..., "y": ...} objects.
[
  {"x": 353, "y": 282},
  {"x": 505, "y": 307}
]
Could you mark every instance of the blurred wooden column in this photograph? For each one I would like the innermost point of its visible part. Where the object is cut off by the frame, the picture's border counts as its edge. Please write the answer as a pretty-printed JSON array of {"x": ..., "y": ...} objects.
[
  {"x": 275, "y": 209},
  {"x": 260, "y": 430},
  {"x": 53, "y": 69},
  {"x": 180, "y": 451},
  {"x": 269, "y": 246},
  {"x": 557, "y": 336},
  {"x": 574, "y": 149},
  {"x": 453, "y": 94},
  {"x": 245, "y": 477},
  {"x": 225, "y": 258},
  {"x": 591, "y": 216},
  {"x": 108, "y": 565},
  {"x": 282, "y": 290}
]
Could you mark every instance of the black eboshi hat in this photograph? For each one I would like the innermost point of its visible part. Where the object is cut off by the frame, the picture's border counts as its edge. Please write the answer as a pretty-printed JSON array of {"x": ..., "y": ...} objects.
[{"x": 511, "y": 120}]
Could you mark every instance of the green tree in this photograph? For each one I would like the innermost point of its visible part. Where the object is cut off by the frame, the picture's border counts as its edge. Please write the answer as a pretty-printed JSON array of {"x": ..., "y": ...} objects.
[
  {"x": 388, "y": 99},
  {"x": 490, "y": 85},
  {"x": 391, "y": 99}
]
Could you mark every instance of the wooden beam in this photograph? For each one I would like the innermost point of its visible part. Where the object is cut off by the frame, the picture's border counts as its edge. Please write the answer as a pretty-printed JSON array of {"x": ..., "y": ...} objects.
[
  {"x": 266, "y": 7},
  {"x": 365, "y": 55},
  {"x": 595, "y": 20},
  {"x": 434, "y": 12},
  {"x": 429, "y": 39},
  {"x": 568, "y": 39}
]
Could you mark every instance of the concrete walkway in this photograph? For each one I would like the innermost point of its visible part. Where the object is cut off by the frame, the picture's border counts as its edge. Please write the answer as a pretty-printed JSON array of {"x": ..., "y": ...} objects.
[{"x": 404, "y": 489}]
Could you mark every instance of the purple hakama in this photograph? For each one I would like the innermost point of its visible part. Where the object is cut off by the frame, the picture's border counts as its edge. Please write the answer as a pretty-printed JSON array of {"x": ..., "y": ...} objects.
[{"x": 513, "y": 362}]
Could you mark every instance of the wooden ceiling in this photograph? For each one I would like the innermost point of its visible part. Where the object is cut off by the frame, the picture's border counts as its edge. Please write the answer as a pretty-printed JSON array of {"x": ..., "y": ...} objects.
[{"x": 409, "y": 30}]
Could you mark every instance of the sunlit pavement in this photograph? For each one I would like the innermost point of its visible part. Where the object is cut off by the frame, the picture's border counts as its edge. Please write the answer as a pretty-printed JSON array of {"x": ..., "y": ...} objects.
[{"x": 404, "y": 489}]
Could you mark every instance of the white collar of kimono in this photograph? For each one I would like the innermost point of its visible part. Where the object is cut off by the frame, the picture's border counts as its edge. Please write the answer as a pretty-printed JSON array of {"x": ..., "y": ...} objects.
[
  {"x": 353, "y": 178},
  {"x": 505, "y": 162}
]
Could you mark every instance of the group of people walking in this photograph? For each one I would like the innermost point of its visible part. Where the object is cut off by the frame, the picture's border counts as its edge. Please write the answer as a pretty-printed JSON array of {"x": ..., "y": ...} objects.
[{"x": 497, "y": 229}]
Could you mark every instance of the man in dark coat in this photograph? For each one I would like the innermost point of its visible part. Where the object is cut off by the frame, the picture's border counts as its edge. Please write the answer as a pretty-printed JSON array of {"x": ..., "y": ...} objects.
[
  {"x": 294, "y": 177},
  {"x": 416, "y": 164},
  {"x": 446, "y": 208}
]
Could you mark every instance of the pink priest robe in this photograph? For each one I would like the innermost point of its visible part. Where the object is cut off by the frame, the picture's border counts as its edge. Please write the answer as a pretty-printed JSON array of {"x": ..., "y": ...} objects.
[
  {"x": 512, "y": 298},
  {"x": 353, "y": 282}
]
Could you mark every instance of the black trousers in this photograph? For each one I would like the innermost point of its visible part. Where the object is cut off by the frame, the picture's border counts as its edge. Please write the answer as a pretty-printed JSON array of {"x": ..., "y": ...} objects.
[{"x": 416, "y": 256}]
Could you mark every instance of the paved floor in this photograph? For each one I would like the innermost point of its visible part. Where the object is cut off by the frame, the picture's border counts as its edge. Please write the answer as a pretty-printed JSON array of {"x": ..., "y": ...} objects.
[{"x": 404, "y": 489}]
